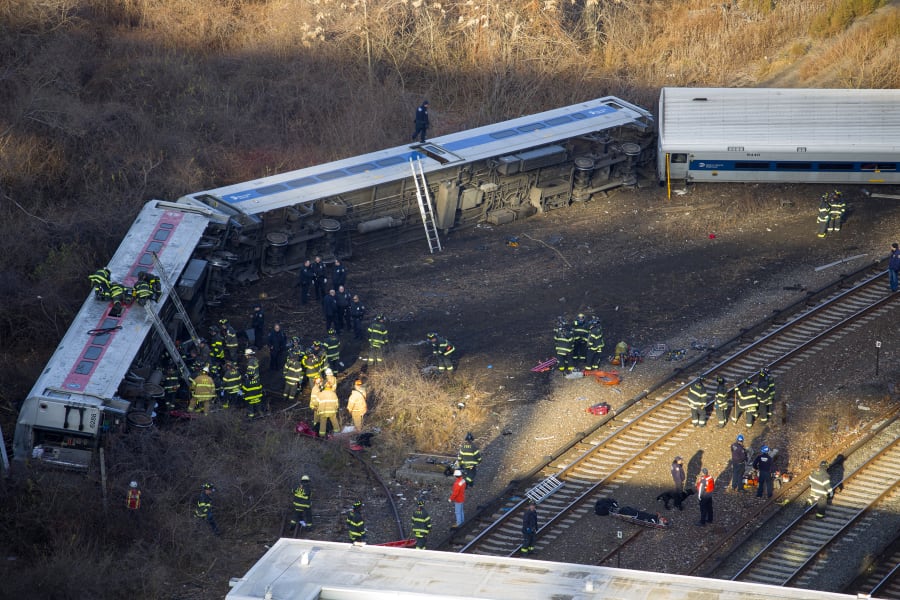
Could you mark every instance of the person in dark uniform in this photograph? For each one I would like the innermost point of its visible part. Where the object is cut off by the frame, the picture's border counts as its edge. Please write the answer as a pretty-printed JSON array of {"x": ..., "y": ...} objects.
[
  {"x": 343, "y": 298},
  {"x": 441, "y": 349},
  {"x": 738, "y": 463},
  {"x": 823, "y": 216},
  {"x": 529, "y": 528},
  {"x": 706, "y": 485},
  {"x": 747, "y": 403},
  {"x": 277, "y": 347},
  {"x": 305, "y": 279},
  {"x": 258, "y": 325},
  {"x": 357, "y": 312},
  {"x": 595, "y": 344},
  {"x": 422, "y": 122},
  {"x": 321, "y": 277},
  {"x": 564, "y": 342},
  {"x": 765, "y": 390},
  {"x": 678, "y": 476},
  {"x": 356, "y": 525},
  {"x": 837, "y": 211},
  {"x": 421, "y": 525},
  {"x": 333, "y": 319},
  {"x": 894, "y": 267},
  {"x": 763, "y": 465},
  {"x": 338, "y": 274},
  {"x": 580, "y": 335}
]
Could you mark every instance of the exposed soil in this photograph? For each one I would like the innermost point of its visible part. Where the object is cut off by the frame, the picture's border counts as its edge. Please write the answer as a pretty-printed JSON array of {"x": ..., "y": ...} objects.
[{"x": 695, "y": 268}]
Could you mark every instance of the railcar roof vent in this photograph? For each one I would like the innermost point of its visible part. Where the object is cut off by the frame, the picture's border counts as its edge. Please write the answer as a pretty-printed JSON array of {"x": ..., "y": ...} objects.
[{"x": 701, "y": 99}]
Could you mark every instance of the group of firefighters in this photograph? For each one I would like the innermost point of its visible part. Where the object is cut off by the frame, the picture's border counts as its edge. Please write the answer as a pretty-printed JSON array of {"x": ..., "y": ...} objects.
[
  {"x": 832, "y": 210},
  {"x": 578, "y": 343},
  {"x": 752, "y": 400}
]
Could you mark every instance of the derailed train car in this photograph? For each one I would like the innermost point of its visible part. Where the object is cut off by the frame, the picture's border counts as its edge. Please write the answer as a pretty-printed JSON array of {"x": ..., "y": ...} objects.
[{"x": 105, "y": 373}]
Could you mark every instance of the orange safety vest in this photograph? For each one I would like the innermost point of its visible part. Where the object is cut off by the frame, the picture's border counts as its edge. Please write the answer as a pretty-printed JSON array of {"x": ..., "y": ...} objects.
[{"x": 133, "y": 500}]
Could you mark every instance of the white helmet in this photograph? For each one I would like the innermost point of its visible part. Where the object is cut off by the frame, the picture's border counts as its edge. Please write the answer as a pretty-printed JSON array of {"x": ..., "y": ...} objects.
[
  {"x": 133, "y": 484},
  {"x": 328, "y": 371},
  {"x": 457, "y": 473}
]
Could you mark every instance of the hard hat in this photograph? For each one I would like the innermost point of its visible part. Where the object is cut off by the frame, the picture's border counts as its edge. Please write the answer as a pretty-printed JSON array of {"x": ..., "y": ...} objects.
[
  {"x": 764, "y": 371},
  {"x": 209, "y": 486},
  {"x": 457, "y": 473},
  {"x": 295, "y": 340},
  {"x": 328, "y": 371},
  {"x": 331, "y": 331},
  {"x": 720, "y": 379},
  {"x": 206, "y": 368},
  {"x": 304, "y": 478},
  {"x": 316, "y": 343},
  {"x": 705, "y": 471},
  {"x": 764, "y": 449},
  {"x": 748, "y": 380},
  {"x": 469, "y": 437},
  {"x": 581, "y": 317},
  {"x": 420, "y": 502},
  {"x": 223, "y": 321},
  {"x": 358, "y": 382},
  {"x": 357, "y": 504},
  {"x": 248, "y": 352},
  {"x": 823, "y": 464},
  {"x": 133, "y": 484},
  {"x": 740, "y": 437},
  {"x": 431, "y": 335},
  {"x": 379, "y": 317},
  {"x": 678, "y": 458}
]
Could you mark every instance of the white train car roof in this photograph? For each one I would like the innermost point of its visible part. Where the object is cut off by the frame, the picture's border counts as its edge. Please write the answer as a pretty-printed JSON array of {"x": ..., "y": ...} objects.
[
  {"x": 93, "y": 366},
  {"x": 367, "y": 170},
  {"x": 774, "y": 119},
  {"x": 309, "y": 569}
]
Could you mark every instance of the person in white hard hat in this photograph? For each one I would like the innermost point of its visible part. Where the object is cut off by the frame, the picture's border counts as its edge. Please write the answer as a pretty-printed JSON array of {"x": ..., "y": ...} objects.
[{"x": 458, "y": 497}]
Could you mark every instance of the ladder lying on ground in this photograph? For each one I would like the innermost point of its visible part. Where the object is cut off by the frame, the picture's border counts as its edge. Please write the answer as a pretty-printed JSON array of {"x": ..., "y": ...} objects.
[{"x": 425, "y": 207}]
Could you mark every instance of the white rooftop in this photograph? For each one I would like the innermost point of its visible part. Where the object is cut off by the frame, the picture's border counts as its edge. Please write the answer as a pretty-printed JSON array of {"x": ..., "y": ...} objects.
[{"x": 309, "y": 569}]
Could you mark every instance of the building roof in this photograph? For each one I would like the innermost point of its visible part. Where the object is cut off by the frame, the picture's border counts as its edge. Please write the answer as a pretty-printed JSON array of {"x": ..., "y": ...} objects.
[
  {"x": 296, "y": 569},
  {"x": 779, "y": 119}
]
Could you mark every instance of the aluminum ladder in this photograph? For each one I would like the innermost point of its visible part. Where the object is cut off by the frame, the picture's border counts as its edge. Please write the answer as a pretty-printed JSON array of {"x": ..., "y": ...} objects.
[
  {"x": 176, "y": 300},
  {"x": 544, "y": 489},
  {"x": 168, "y": 342},
  {"x": 425, "y": 207}
]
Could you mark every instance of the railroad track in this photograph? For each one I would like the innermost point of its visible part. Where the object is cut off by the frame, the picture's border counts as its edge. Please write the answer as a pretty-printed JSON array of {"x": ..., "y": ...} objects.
[
  {"x": 601, "y": 460},
  {"x": 883, "y": 579},
  {"x": 809, "y": 545}
]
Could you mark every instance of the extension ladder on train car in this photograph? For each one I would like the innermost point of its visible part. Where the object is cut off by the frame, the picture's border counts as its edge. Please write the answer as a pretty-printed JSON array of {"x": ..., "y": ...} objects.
[
  {"x": 168, "y": 342},
  {"x": 425, "y": 207},
  {"x": 176, "y": 300}
]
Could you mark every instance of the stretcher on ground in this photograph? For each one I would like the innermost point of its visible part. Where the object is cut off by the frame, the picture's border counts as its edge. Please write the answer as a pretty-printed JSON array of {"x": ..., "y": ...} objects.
[{"x": 640, "y": 517}]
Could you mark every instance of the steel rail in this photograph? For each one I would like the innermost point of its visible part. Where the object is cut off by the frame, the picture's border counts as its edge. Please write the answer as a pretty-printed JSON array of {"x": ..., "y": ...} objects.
[
  {"x": 793, "y": 550},
  {"x": 825, "y": 321}
]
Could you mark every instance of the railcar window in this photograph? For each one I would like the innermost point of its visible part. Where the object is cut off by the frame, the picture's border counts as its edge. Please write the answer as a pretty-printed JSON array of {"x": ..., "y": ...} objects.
[
  {"x": 499, "y": 135},
  {"x": 835, "y": 166},
  {"x": 93, "y": 352},
  {"x": 162, "y": 235},
  {"x": 678, "y": 158},
  {"x": 531, "y": 127},
  {"x": 331, "y": 175},
  {"x": 793, "y": 166},
  {"x": 389, "y": 162},
  {"x": 559, "y": 120},
  {"x": 752, "y": 165},
  {"x": 84, "y": 367},
  {"x": 295, "y": 183},
  {"x": 271, "y": 189},
  {"x": 879, "y": 167},
  {"x": 361, "y": 168}
]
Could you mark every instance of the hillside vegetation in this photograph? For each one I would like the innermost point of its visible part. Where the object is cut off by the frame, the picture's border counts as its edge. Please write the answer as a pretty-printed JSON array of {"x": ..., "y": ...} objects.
[{"x": 105, "y": 104}]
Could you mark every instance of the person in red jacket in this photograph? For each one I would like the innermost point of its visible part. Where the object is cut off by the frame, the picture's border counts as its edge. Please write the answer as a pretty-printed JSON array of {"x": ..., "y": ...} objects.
[
  {"x": 458, "y": 497},
  {"x": 705, "y": 487}
]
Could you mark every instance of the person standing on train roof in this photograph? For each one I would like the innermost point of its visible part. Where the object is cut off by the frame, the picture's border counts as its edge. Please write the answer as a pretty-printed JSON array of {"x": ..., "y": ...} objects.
[{"x": 422, "y": 122}]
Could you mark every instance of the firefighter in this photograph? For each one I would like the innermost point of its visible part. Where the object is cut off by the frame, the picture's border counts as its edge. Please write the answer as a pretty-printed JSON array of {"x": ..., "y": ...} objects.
[
  {"x": 838, "y": 209},
  {"x": 823, "y": 216},
  {"x": 231, "y": 340},
  {"x": 327, "y": 410},
  {"x": 738, "y": 463},
  {"x": 253, "y": 393},
  {"x": 722, "y": 401},
  {"x": 330, "y": 380},
  {"x": 313, "y": 366},
  {"x": 468, "y": 458},
  {"x": 378, "y": 339},
  {"x": 357, "y": 404},
  {"x": 143, "y": 290},
  {"x": 203, "y": 391},
  {"x": 697, "y": 397},
  {"x": 564, "y": 341},
  {"x": 820, "y": 489},
  {"x": 620, "y": 354},
  {"x": 441, "y": 349},
  {"x": 252, "y": 364},
  {"x": 594, "y": 344},
  {"x": 765, "y": 389},
  {"x": 204, "y": 508},
  {"x": 356, "y": 525},
  {"x": 332, "y": 345},
  {"x": 746, "y": 402},
  {"x": 302, "y": 503},
  {"x": 101, "y": 282},
  {"x": 133, "y": 498},
  {"x": 171, "y": 386},
  {"x": 118, "y": 297},
  {"x": 763, "y": 465},
  {"x": 293, "y": 375},
  {"x": 421, "y": 524},
  {"x": 580, "y": 335},
  {"x": 216, "y": 345},
  {"x": 529, "y": 528},
  {"x": 231, "y": 384}
]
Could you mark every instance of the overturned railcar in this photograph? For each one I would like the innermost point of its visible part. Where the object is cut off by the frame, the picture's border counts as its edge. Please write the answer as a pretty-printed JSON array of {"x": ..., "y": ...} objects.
[
  {"x": 497, "y": 174},
  {"x": 779, "y": 135}
]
